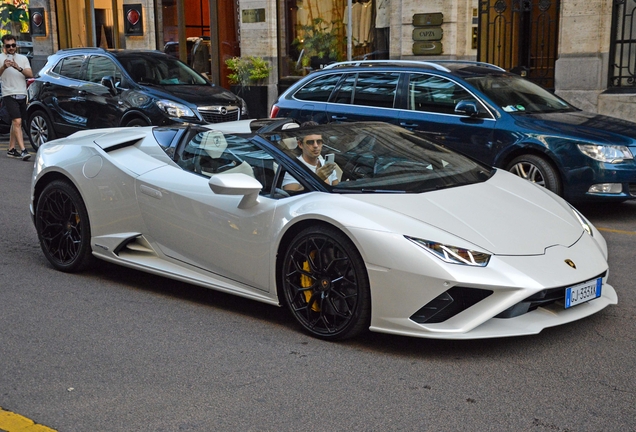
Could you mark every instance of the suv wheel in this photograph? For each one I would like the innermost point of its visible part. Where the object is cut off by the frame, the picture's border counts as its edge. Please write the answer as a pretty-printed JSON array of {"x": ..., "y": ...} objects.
[
  {"x": 137, "y": 122},
  {"x": 537, "y": 170},
  {"x": 39, "y": 129}
]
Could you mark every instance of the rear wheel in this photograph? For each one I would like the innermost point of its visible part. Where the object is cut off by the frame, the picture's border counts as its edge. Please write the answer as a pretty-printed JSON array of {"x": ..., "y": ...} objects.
[
  {"x": 39, "y": 129},
  {"x": 61, "y": 221},
  {"x": 537, "y": 170},
  {"x": 325, "y": 284}
]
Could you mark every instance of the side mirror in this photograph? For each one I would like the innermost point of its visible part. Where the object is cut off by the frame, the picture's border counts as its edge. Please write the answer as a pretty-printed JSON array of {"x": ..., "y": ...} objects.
[
  {"x": 237, "y": 184},
  {"x": 467, "y": 108},
  {"x": 109, "y": 82}
]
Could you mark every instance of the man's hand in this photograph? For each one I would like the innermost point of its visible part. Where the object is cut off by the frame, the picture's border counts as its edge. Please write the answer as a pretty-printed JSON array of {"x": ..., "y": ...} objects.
[{"x": 325, "y": 171}]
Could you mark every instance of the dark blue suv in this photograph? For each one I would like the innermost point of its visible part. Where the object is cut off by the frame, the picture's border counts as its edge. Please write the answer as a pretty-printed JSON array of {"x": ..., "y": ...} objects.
[{"x": 484, "y": 112}]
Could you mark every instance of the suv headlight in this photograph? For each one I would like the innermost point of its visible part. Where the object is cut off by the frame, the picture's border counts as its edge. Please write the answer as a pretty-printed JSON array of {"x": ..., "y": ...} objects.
[
  {"x": 453, "y": 254},
  {"x": 174, "y": 109},
  {"x": 606, "y": 153}
]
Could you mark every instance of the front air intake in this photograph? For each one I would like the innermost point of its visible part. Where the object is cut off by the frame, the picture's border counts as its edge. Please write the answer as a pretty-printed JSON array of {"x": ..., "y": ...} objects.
[{"x": 449, "y": 304}]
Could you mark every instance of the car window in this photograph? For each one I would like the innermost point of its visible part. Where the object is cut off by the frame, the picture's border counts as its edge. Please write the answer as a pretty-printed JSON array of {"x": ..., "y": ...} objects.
[
  {"x": 159, "y": 70},
  {"x": 99, "y": 67},
  {"x": 435, "y": 94},
  {"x": 319, "y": 89},
  {"x": 210, "y": 153},
  {"x": 70, "y": 67},
  {"x": 345, "y": 91},
  {"x": 376, "y": 89}
]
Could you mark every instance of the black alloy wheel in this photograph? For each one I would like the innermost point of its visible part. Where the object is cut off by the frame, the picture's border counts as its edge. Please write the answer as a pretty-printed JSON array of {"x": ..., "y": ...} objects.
[
  {"x": 537, "y": 170},
  {"x": 137, "y": 122},
  {"x": 325, "y": 284},
  {"x": 61, "y": 221},
  {"x": 40, "y": 129}
]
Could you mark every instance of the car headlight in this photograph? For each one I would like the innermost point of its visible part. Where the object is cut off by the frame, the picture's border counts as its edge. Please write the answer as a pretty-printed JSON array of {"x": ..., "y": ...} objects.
[
  {"x": 244, "y": 110},
  {"x": 584, "y": 223},
  {"x": 453, "y": 254},
  {"x": 174, "y": 109},
  {"x": 606, "y": 153}
]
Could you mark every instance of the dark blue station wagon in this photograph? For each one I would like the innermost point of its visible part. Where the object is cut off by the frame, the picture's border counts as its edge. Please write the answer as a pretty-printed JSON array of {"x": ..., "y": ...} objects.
[{"x": 484, "y": 112}]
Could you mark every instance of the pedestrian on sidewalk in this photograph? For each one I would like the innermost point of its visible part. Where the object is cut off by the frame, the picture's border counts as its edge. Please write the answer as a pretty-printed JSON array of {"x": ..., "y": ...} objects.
[{"x": 14, "y": 71}]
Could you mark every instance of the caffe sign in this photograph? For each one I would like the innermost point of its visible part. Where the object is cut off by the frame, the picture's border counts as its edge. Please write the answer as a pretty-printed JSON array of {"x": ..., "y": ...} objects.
[{"x": 427, "y": 33}]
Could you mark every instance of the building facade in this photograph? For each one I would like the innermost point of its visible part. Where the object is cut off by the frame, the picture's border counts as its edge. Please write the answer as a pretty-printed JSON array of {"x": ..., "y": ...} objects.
[{"x": 585, "y": 51}]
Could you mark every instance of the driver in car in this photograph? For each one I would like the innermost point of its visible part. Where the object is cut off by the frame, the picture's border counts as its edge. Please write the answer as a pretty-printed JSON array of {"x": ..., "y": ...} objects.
[{"x": 311, "y": 147}]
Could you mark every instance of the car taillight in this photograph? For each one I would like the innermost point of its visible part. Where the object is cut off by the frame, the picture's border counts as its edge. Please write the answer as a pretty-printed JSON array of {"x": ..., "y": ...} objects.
[
  {"x": 274, "y": 112},
  {"x": 29, "y": 81}
]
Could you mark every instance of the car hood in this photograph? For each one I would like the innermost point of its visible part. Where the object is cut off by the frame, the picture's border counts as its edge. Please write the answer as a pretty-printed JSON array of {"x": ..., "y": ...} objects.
[
  {"x": 505, "y": 215},
  {"x": 199, "y": 95},
  {"x": 584, "y": 125}
]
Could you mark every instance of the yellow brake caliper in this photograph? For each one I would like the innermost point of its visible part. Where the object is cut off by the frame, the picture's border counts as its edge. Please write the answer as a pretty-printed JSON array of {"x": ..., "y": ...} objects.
[{"x": 305, "y": 282}]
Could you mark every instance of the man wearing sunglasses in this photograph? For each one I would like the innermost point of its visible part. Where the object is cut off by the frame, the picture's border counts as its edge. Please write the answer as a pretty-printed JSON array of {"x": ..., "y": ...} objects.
[
  {"x": 311, "y": 147},
  {"x": 14, "y": 70}
]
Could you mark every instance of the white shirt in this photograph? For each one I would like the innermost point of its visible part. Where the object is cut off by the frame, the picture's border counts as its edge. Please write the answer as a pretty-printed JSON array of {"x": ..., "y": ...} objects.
[
  {"x": 13, "y": 81},
  {"x": 288, "y": 179}
]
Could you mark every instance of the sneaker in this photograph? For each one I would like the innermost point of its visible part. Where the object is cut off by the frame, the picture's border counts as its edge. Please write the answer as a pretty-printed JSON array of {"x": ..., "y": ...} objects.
[
  {"x": 25, "y": 155},
  {"x": 13, "y": 153}
]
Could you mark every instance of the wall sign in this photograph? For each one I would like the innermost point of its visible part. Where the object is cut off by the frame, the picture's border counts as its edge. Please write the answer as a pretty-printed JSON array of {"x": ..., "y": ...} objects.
[
  {"x": 427, "y": 48},
  {"x": 428, "y": 19},
  {"x": 37, "y": 22},
  {"x": 253, "y": 15},
  {"x": 133, "y": 20},
  {"x": 427, "y": 33}
]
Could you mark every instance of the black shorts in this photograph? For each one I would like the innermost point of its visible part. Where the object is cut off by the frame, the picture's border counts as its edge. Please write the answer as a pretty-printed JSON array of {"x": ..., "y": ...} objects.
[{"x": 15, "y": 107}]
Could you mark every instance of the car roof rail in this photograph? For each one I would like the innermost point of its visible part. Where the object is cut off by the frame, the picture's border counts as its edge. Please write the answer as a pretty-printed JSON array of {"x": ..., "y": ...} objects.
[
  {"x": 387, "y": 62},
  {"x": 436, "y": 64},
  {"x": 474, "y": 63},
  {"x": 82, "y": 49}
]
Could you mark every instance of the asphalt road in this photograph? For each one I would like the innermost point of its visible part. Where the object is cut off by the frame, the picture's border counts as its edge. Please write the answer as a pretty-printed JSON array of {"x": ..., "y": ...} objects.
[{"x": 119, "y": 350}]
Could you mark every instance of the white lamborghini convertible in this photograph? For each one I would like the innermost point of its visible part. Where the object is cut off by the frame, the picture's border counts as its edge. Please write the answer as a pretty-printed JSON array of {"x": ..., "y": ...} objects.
[{"x": 413, "y": 239}]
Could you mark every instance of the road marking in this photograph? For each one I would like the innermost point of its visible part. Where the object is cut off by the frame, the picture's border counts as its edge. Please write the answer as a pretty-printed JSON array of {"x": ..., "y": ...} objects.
[
  {"x": 12, "y": 422},
  {"x": 616, "y": 231}
]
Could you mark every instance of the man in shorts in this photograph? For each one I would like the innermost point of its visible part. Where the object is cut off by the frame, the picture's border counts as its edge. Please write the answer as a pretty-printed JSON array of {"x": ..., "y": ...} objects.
[{"x": 14, "y": 71}]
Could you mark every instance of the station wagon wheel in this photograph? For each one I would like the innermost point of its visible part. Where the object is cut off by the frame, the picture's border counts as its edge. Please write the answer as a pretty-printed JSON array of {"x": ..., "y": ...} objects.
[
  {"x": 40, "y": 129},
  {"x": 537, "y": 170},
  {"x": 325, "y": 284},
  {"x": 61, "y": 221}
]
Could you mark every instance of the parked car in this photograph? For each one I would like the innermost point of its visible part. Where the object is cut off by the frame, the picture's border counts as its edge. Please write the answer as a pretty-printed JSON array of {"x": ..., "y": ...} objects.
[
  {"x": 87, "y": 88},
  {"x": 482, "y": 111},
  {"x": 414, "y": 239}
]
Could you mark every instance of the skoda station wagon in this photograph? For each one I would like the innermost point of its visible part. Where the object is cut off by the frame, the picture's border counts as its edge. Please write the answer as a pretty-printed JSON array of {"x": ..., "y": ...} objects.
[{"x": 479, "y": 109}]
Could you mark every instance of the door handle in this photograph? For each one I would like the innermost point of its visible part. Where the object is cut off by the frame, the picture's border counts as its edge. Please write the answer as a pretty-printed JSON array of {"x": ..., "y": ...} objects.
[
  {"x": 81, "y": 92},
  {"x": 339, "y": 118},
  {"x": 408, "y": 125}
]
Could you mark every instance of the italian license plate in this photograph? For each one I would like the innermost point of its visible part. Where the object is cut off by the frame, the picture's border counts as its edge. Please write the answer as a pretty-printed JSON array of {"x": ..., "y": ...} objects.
[{"x": 583, "y": 292}]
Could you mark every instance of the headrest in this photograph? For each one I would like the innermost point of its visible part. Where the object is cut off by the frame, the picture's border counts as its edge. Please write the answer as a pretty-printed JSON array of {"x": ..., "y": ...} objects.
[
  {"x": 213, "y": 142},
  {"x": 290, "y": 126},
  {"x": 290, "y": 143}
]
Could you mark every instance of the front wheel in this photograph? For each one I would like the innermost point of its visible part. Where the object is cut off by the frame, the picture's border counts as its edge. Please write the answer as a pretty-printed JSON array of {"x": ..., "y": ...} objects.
[
  {"x": 137, "y": 122},
  {"x": 39, "y": 129},
  {"x": 325, "y": 284},
  {"x": 537, "y": 170},
  {"x": 61, "y": 221}
]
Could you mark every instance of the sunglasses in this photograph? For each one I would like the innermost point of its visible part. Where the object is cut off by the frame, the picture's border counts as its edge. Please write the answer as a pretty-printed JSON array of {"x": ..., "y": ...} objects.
[
  {"x": 9, "y": 45},
  {"x": 311, "y": 142}
]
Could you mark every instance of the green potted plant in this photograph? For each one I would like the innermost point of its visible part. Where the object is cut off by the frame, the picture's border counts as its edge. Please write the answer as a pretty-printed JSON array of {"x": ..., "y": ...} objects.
[
  {"x": 247, "y": 78},
  {"x": 14, "y": 18},
  {"x": 321, "y": 42}
]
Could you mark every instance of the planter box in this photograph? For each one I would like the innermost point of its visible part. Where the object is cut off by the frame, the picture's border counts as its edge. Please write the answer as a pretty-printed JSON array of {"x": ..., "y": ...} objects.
[{"x": 256, "y": 99}]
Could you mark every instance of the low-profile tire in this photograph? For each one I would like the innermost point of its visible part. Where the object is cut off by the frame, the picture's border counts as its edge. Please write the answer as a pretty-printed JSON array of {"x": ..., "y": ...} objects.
[
  {"x": 63, "y": 228},
  {"x": 537, "y": 170},
  {"x": 137, "y": 122},
  {"x": 39, "y": 129},
  {"x": 325, "y": 284}
]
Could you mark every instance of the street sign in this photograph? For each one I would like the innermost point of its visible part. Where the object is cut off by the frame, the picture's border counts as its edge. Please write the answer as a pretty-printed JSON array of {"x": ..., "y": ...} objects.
[
  {"x": 427, "y": 48},
  {"x": 427, "y": 33},
  {"x": 430, "y": 19}
]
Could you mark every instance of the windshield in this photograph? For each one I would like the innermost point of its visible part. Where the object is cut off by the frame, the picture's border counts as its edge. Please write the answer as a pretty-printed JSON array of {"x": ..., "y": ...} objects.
[
  {"x": 159, "y": 70},
  {"x": 378, "y": 157},
  {"x": 515, "y": 94}
]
